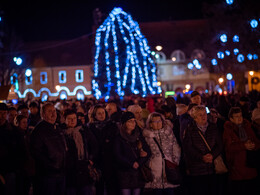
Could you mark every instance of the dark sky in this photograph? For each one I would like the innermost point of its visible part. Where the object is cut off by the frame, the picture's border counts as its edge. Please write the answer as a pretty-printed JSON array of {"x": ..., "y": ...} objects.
[{"x": 58, "y": 20}]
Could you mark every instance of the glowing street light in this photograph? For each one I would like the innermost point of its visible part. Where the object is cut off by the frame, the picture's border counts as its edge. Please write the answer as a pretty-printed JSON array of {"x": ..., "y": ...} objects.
[
  {"x": 187, "y": 86},
  {"x": 57, "y": 87},
  {"x": 220, "y": 80},
  {"x": 251, "y": 73},
  {"x": 158, "y": 48}
]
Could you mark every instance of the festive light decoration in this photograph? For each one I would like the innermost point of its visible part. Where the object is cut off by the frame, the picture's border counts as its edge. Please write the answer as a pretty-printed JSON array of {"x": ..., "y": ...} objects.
[
  {"x": 229, "y": 2},
  {"x": 18, "y": 61},
  {"x": 220, "y": 55},
  {"x": 223, "y": 38},
  {"x": 227, "y": 52},
  {"x": 229, "y": 76},
  {"x": 236, "y": 51},
  {"x": 49, "y": 93},
  {"x": 240, "y": 58},
  {"x": 122, "y": 63},
  {"x": 214, "y": 62},
  {"x": 254, "y": 23},
  {"x": 236, "y": 39}
]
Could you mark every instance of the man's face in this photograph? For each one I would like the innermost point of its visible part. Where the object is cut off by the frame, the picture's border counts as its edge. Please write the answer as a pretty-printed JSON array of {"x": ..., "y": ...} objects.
[
  {"x": 111, "y": 108},
  {"x": 71, "y": 120},
  {"x": 11, "y": 115},
  {"x": 33, "y": 110},
  {"x": 50, "y": 114},
  {"x": 3, "y": 116},
  {"x": 196, "y": 99},
  {"x": 237, "y": 118}
]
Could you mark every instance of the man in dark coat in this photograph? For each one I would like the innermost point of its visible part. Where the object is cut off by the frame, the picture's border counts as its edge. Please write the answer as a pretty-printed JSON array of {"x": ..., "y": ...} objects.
[
  {"x": 9, "y": 154},
  {"x": 48, "y": 149}
]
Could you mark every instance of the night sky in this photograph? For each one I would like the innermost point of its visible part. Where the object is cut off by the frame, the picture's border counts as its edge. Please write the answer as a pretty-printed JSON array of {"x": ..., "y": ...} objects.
[{"x": 60, "y": 20}]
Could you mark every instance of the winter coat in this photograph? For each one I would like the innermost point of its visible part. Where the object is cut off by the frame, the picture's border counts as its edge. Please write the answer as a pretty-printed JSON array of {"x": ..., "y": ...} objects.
[
  {"x": 10, "y": 149},
  {"x": 73, "y": 165},
  {"x": 194, "y": 149},
  {"x": 171, "y": 150},
  {"x": 236, "y": 151},
  {"x": 105, "y": 133},
  {"x": 126, "y": 153},
  {"x": 48, "y": 149}
]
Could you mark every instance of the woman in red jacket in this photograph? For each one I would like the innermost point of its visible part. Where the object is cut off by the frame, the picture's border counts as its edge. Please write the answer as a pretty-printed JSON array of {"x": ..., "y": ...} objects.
[{"x": 239, "y": 138}]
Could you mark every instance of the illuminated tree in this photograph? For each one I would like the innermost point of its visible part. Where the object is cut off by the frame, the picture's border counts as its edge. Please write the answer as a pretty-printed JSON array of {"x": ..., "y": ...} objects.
[{"x": 123, "y": 63}]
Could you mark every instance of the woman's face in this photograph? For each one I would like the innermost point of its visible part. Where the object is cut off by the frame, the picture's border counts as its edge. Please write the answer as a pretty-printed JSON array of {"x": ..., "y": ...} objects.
[
  {"x": 156, "y": 123},
  {"x": 71, "y": 121},
  {"x": 100, "y": 114},
  {"x": 23, "y": 124},
  {"x": 201, "y": 117},
  {"x": 130, "y": 125}
]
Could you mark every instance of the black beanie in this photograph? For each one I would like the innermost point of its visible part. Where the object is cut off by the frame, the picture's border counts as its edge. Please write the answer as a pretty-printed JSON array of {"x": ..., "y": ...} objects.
[
  {"x": 127, "y": 116},
  {"x": 194, "y": 93}
]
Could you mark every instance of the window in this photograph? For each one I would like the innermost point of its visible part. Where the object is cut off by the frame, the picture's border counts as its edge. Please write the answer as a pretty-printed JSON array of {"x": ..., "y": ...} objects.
[
  {"x": 198, "y": 54},
  {"x": 79, "y": 76},
  {"x": 160, "y": 57},
  {"x": 178, "y": 56},
  {"x": 62, "y": 76},
  {"x": 28, "y": 80},
  {"x": 43, "y": 77}
]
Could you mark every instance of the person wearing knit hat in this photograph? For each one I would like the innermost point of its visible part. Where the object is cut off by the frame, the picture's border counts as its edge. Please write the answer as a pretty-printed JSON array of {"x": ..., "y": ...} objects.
[
  {"x": 131, "y": 151},
  {"x": 126, "y": 116},
  {"x": 195, "y": 97}
]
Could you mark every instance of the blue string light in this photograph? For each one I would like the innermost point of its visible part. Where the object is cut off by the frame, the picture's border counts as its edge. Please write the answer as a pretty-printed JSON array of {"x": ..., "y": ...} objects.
[
  {"x": 229, "y": 2},
  {"x": 122, "y": 58}
]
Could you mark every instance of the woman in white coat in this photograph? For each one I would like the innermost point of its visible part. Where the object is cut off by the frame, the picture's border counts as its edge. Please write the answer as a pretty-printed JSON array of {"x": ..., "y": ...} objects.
[{"x": 161, "y": 129}]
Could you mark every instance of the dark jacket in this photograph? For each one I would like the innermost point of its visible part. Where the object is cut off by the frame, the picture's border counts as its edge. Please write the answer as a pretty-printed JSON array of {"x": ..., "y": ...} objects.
[
  {"x": 48, "y": 149},
  {"x": 236, "y": 151},
  {"x": 73, "y": 165},
  {"x": 10, "y": 149},
  {"x": 194, "y": 149},
  {"x": 105, "y": 133},
  {"x": 126, "y": 153}
]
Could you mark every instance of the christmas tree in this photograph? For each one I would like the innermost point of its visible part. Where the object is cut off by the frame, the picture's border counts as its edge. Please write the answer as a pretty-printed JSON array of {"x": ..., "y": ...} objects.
[{"x": 123, "y": 62}]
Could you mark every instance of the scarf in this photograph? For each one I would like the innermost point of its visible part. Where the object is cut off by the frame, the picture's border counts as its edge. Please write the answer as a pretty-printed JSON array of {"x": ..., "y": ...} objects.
[
  {"x": 203, "y": 128},
  {"x": 77, "y": 137},
  {"x": 242, "y": 133},
  {"x": 129, "y": 137}
]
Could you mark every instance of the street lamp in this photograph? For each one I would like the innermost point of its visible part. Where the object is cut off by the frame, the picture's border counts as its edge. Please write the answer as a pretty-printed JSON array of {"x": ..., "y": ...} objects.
[{"x": 220, "y": 80}]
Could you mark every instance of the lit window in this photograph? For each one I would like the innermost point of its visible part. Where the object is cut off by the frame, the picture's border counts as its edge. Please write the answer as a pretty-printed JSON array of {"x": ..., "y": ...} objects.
[
  {"x": 178, "y": 56},
  {"x": 79, "y": 76},
  {"x": 43, "y": 77},
  {"x": 62, "y": 77}
]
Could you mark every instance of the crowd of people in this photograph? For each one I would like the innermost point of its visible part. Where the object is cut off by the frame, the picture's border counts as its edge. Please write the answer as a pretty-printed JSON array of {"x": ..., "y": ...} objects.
[{"x": 94, "y": 147}]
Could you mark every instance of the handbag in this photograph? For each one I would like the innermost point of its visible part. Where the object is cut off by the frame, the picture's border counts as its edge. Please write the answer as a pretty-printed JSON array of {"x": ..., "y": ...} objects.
[
  {"x": 86, "y": 173},
  {"x": 219, "y": 164},
  {"x": 172, "y": 170}
]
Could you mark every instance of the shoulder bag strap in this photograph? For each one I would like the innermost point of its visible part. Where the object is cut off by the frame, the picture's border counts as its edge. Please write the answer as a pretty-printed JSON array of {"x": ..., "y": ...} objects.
[
  {"x": 159, "y": 147},
  {"x": 204, "y": 141}
]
